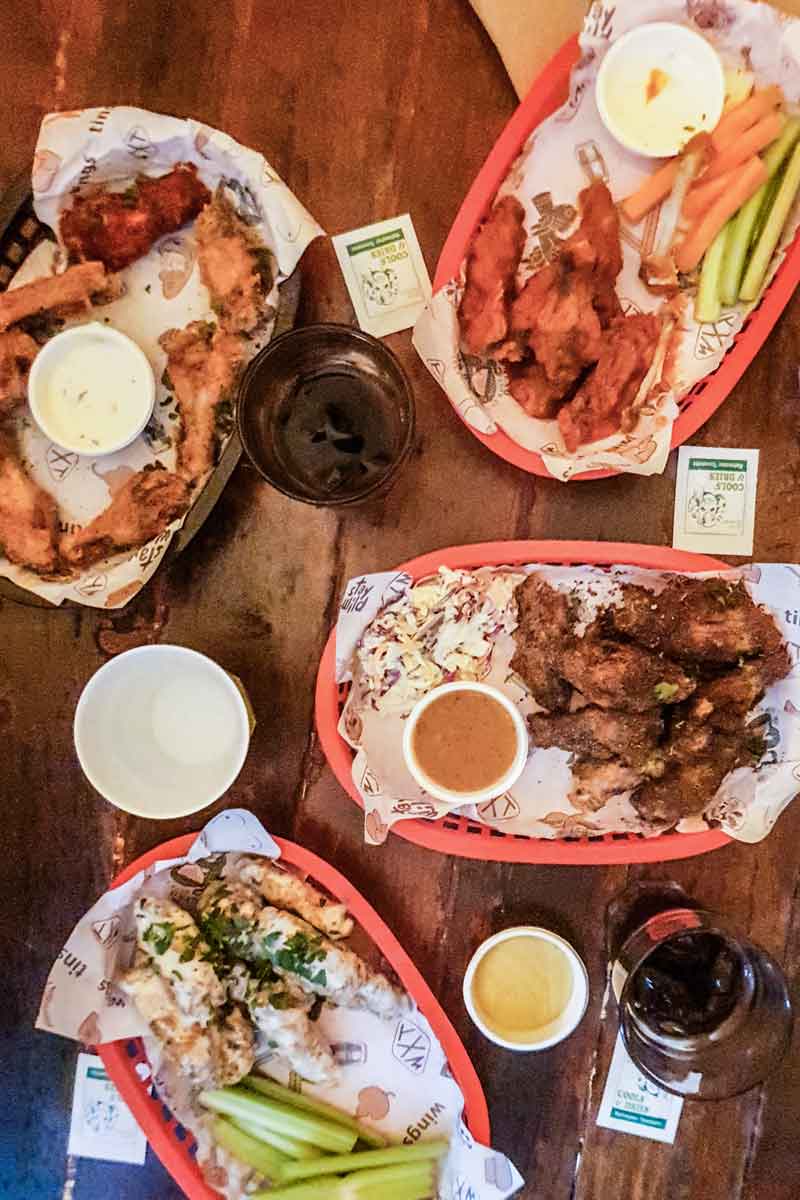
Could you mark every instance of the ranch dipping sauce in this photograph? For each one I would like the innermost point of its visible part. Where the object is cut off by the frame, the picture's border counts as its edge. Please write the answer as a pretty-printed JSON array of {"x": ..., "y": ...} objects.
[
  {"x": 465, "y": 740},
  {"x": 91, "y": 389}
]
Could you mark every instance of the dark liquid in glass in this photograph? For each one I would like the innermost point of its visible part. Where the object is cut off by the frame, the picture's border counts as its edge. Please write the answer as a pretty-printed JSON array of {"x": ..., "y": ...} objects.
[
  {"x": 332, "y": 433},
  {"x": 689, "y": 985}
]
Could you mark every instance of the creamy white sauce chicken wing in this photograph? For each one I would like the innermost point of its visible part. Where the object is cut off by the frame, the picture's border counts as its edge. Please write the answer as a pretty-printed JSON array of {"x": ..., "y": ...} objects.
[
  {"x": 235, "y": 915},
  {"x": 283, "y": 890}
]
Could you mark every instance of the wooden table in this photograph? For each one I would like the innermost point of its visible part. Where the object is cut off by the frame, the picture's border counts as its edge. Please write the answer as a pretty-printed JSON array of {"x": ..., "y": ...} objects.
[{"x": 391, "y": 109}]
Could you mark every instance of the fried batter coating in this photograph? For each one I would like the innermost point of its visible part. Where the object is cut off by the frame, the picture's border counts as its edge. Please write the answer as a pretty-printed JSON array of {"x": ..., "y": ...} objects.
[
  {"x": 710, "y": 620},
  {"x": 631, "y": 678},
  {"x": 118, "y": 227},
  {"x": 600, "y": 733},
  {"x": 141, "y": 510},
  {"x": 545, "y": 627},
  {"x": 28, "y": 514},
  {"x": 76, "y": 288},
  {"x": 492, "y": 263},
  {"x": 17, "y": 352},
  {"x": 203, "y": 364},
  {"x": 607, "y": 401},
  {"x": 234, "y": 266}
]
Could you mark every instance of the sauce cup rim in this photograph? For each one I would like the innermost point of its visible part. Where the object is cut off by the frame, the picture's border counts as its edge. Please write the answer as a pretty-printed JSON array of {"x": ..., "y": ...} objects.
[
  {"x": 54, "y": 346},
  {"x": 575, "y": 1008},
  {"x": 83, "y": 709},
  {"x": 715, "y": 78},
  {"x": 445, "y": 795}
]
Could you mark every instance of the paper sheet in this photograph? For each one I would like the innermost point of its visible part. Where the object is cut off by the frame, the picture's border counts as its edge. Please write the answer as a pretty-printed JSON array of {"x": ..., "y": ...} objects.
[
  {"x": 394, "y": 1073},
  {"x": 163, "y": 290},
  {"x": 539, "y": 804},
  {"x": 567, "y": 152}
]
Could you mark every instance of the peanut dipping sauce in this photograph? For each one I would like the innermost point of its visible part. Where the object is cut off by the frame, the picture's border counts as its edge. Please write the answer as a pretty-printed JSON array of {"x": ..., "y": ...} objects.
[{"x": 464, "y": 741}]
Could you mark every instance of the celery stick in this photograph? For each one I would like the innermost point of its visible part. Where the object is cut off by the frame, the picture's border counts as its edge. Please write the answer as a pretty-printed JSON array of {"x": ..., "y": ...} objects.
[
  {"x": 363, "y": 1161},
  {"x": 414, "y": 1182},
  {"x": 707, "y": 306},
  {"x": 288, "y": 1146},
  {"x": 745, "y": 229},
  {"x": 765, "y": 246},
  {"x": 276, "y": 1091},
  {"x": 241, "y": 1103},
  {"x": 247, "y": 1149}
]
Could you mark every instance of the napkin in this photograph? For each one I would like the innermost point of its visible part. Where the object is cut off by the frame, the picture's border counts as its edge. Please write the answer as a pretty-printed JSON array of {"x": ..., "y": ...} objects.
[{"x": 527, "y": 33}]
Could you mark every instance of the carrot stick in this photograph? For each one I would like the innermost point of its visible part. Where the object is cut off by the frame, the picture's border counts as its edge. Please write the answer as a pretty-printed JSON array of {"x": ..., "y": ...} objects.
[
  {"x": 651, "y": 192},
  {"x": 702, "y": 234},
  {"x": 768, "y": 130},
  {"x": 744, "y": 115},
  {"x": 703, "y": 195}
]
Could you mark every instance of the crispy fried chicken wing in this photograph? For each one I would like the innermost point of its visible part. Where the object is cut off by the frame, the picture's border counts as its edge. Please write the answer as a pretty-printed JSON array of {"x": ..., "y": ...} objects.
[
  {"x": 562, "y": 310},
  {"x": 492, "y": 263},
  {"x": 545, "y": 628},
  {"x": 599, "y": 733},
  {"x": 203, "y": 363},
  {"x": 28, "y": 514},
  {"x": 553, "y": 315},
  {"x": 234, "y": 265},
  {"x": 141, "y": 510},
  {"x": 696, "y": 760},
  {"x": 119, "y": 227},
  {"x": 626, "y": 677},
  {"x": 607, "y": 401},
  {"x": 17, "y": 352},
  {"x": 710, "y": 620},
  {"x": 78, "y": 287}
]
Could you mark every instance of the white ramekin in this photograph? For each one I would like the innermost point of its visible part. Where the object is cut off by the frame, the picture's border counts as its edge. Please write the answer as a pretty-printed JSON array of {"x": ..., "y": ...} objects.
[
  {"x": 118, "y": 747},
  {"x": 567, "y": 1021},
  {"x": 460, "y": 798},
  {"x": 658, "y": 37},
  {"x": 48, "y": 356}
]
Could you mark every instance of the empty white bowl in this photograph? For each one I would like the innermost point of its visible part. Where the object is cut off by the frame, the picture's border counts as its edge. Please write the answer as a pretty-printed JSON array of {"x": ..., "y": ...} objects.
[
  {"x": 91, "y": 389},
  {"x": 562, "y": 1025},
  {"x": 689, "y": 88},
  {"x": 161, "y": 731},
  {"x": 460, "y": 798}
]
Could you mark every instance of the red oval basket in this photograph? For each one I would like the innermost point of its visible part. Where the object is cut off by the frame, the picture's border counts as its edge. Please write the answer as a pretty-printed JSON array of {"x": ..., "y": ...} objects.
[
  {"x": 548, "y": 93},
  {"x": 172, "y": 1143},
  {"x": 458, "y": 835}
]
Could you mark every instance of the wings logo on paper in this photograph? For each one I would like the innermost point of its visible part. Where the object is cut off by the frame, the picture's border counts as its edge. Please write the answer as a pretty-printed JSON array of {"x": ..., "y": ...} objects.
[
  {"x": 396, "y": 588},
  {"x": 420, "y": 809},
  {"x": 369, "y": 783},
  {"x": 138, "y": 142},
  {"x": 553, "y": 219},
  {"x": 60, "y": 462},
  {"x": 715, "y": 338},
  {"x": 579, "y": 82},
  {"x": 92, "y": 586},
  {"x": 106, "y": 931},
  {"x": 503, "y": 808},
  {"x": 600, "y": 21},
  {"x": 463, "y": 1189},
  {"x": 411, "y": 1047}
]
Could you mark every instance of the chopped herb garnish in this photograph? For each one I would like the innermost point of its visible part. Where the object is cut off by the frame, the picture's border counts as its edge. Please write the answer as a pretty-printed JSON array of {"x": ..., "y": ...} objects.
[
  {"x": 160, "y": 936},
  {"x": 665, "y": 692}
]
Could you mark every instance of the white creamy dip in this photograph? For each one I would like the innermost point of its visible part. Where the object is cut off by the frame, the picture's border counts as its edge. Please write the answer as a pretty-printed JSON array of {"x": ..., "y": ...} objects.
[{"x": 91, "y": 389}]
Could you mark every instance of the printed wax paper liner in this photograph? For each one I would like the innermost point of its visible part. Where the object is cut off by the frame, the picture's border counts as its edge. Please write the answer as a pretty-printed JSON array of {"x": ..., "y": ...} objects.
[
  {"x": 746, "y": 806},
  {"x": 79, "y": 150},
  {"x": 566, "y": 153},
  {"x": 394, "y": 1074}
]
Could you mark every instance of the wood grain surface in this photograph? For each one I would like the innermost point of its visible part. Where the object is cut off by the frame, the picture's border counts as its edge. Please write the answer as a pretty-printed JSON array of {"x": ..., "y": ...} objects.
[{"x": 367, "y": 109}]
